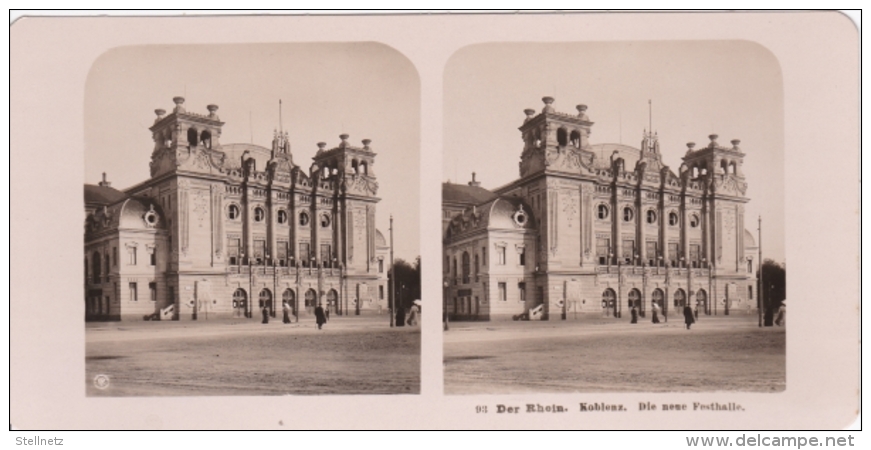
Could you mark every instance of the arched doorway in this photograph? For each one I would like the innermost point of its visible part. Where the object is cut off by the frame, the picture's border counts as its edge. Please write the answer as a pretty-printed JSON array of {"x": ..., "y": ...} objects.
[
  {"x": 657, "y": 297},
  {"x": 240, "y": 300},
  {"x": 333, "y": 302},
  {"x": 290, "y": 298},
  {"x": 702, "y": 301},
  {"x": 266, "y": 299},
  {"x": 311, "y": 301},
  {"x": 609, "y": 302},
  {"x": 680, "y": 298}
]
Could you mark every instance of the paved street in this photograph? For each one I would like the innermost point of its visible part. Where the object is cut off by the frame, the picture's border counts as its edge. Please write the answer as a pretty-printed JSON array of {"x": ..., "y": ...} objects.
[
  {"x": 611, "y": 355},
  {"x": 359, "y": 355}
]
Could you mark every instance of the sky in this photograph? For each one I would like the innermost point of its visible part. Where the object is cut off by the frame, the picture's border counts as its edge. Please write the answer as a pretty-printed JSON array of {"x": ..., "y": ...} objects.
[
  {"x": 366, "y": 90},
  {"x": 697, "y": 88}
]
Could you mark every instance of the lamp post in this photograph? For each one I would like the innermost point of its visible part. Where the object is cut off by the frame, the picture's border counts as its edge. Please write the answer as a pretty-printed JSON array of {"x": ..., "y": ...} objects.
[
  {"x": 707, "y": 305},
  {"x": 392, "y": 278},
  {"x": 446, "y": 284},
  {"x": 618, "y": 307},
  {"x": 759, "y": 296},
  {"x": 296, "y": 296},
  {"x": 274, "y": 286},
  {"x": 250, "y": 298}
]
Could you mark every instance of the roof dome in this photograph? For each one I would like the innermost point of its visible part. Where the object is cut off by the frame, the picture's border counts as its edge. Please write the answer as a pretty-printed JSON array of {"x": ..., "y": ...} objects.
[
  {"x": 506, "y": 213},
  {"x": 140, "y": 214},
  {"x": 510, "y": 213},
  {"x": 749, "y": 241},
  {"x": 630, "y": 154}
]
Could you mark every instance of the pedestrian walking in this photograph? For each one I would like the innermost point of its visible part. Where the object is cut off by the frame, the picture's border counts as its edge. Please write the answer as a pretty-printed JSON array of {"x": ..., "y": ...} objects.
[
  {"x": 634, "y": 313},
  {"x": 285, "y": 308},
  {"x": 781, "y": 315},
  {"x": 265, "y": 314},
  {"x": 412, "y": 316},
  {"x": 320, "y": 317},
  {"x": 655, "y": 309},
  {"x": 688, "y": 316}
]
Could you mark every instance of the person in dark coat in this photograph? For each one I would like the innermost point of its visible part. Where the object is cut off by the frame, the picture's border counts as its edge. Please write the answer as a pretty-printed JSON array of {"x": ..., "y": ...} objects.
[
  {"x": 655, "y": 309},
  {"x": 634, "y": 312},
  {"x": 320, "y": 317},
  {"x": 285, "y": 308},
  {"x": 265, "y": 314},
  {"x": 688, "y": 316}
]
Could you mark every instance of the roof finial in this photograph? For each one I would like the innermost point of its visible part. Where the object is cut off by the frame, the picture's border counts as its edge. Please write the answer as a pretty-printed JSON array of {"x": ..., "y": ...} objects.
[{"x": 650, "y": 115}]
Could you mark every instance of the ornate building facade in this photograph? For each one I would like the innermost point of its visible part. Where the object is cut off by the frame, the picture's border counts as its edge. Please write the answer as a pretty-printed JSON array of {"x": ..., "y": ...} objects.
[
  {"x": 224, "y": 230},
  {"x": 597, "y": 229}
]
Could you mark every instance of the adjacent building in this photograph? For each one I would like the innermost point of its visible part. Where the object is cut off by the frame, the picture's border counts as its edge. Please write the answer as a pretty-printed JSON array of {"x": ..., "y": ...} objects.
[
  {"x": 599, "y": 228},
  {"x": 225, "y": 230}
]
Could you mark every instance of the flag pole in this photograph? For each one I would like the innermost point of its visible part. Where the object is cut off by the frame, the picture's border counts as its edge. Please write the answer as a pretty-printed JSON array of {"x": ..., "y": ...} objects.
[
  {"x": 759, "y": 293},
  {"x": 392, "y": 276}
]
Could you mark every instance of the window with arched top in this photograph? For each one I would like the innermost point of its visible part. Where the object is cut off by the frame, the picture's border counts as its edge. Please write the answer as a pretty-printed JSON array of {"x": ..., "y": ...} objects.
[
  {"x": 95, "y": 263},
  {"x": 282, "y": 216},
  {"x": 673, "y": 219},
  {"x": 303, "y": 218},
  {"x": 602, "y": 212},
  {"x": 192, "y": 137},
  {"x": 364, "y": 168},
  {"x": 694, "y": 220},
  {"x": 259, "y": 214},
  {"x": 206, "y": 139},
  {"x": 466, "y": 267},
  {"x": 326, "y": 220},
  {"x": 233, "y": 212},
  {"x": 355, "y": 166},
  {"x": 628, "y": 214},
  {"x": 575, "y": 138},
  {"x": 651, "y": 216},
  {"x": 562, "y": 137}
]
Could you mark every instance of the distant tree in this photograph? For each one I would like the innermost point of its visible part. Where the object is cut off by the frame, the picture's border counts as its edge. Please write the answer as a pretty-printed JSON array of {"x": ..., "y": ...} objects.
[
  {"x": 407, "y": 282},
  {"x": 773, "y": 288}
]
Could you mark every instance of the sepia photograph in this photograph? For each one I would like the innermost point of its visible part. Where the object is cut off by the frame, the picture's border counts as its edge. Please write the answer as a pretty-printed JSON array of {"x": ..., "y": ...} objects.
[
  {"x": 238, "y": 240},
  {"x": 218, "y": 221},
  {"x": 608, "y": 239}
]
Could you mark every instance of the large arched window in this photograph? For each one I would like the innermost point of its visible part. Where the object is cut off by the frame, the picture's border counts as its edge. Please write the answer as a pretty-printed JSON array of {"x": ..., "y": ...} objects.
[
  {"x": 466, "y": 267},
  {"x": 680, "y": 298}
]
